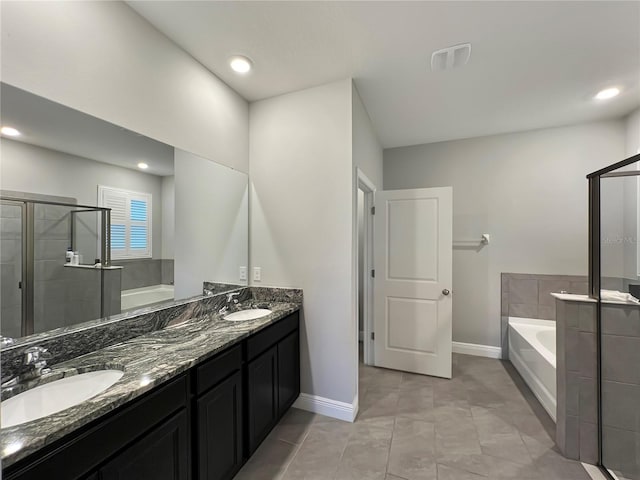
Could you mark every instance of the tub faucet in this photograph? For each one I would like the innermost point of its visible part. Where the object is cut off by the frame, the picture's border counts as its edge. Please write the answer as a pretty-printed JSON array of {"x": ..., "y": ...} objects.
[{"x": 34, "y": 363}]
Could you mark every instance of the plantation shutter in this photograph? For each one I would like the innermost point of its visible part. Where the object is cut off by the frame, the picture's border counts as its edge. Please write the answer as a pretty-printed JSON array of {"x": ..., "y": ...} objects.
[{"x": 130, "y": 221}]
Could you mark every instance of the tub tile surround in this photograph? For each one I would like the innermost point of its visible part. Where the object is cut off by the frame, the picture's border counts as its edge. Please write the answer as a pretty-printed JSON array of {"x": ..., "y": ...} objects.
[
  {"x": 144, "y": 272},
  {"x": 529, "y": 296},
  {"x": 182, "y": 336}
]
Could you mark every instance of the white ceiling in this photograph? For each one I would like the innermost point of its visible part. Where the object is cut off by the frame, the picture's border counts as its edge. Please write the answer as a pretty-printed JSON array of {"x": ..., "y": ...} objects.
[
  {"x": 533, "y": 64},
  {"x": 51, "y": 125}
]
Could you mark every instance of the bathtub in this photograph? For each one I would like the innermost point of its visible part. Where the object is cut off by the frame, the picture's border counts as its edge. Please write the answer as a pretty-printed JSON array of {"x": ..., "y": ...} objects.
[
  {"x": 139, "y": 297},
  {"x": 532, "y": 350}
]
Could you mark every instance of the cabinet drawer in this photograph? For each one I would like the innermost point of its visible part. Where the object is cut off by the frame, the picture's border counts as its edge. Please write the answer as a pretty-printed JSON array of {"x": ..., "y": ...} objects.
[
  {"x": 261, "y": 341},
  {"x": 218, "y": 368}
]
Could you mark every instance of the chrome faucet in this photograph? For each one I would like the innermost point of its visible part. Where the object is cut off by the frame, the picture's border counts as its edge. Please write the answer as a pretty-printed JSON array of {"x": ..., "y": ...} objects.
[
  {"x": 231, "y": 296},
  {"x": 34, "y": 364},
  {"x": 232, "y": 303}
]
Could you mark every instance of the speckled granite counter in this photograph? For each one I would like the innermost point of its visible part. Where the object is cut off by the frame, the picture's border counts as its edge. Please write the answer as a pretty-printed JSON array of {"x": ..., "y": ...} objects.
[{"x": 148, "y": 361}]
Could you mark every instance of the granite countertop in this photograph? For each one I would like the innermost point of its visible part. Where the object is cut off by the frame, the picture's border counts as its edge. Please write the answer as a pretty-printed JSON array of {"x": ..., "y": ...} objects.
[{"x": 147, "y": 361}]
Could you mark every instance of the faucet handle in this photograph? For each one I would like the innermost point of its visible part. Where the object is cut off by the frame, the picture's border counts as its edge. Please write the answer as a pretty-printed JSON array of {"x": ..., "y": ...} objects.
[
  {"x": 230, "y": 296},
  {"x": 35, "y": 355}
]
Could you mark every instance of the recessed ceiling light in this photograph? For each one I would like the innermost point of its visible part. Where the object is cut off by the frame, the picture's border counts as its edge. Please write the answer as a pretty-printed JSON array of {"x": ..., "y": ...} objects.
[
  {"x": 9, "y": 131},
  {"x": 143, "y": 166},
  {"x": 240, "y": 64},
  {"x": 607, "y": 93}
]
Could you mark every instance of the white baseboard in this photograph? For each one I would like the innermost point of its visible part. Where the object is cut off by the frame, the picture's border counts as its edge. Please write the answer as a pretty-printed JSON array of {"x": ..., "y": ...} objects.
[
  {"x": 477, "y": 350},
  {"x": 326, "y": 406}
]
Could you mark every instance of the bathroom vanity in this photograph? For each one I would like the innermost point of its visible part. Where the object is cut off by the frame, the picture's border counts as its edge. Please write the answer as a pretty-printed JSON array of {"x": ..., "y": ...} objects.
[{"x": 196, "y": 400}]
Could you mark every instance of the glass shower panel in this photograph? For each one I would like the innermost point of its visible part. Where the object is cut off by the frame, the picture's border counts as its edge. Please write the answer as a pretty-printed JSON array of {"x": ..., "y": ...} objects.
[
  {"x": 620, "y": 327},
  {"x": 86, "y": 235},
  {"x": 64, "y": 294},
  {"x": 11, "y": 265}
]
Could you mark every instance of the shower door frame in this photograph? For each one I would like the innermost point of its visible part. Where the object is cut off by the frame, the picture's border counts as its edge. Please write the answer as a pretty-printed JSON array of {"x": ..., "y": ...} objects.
[
  {"x": 595, "y": 270},
  {"x": 25, "y": 283}
]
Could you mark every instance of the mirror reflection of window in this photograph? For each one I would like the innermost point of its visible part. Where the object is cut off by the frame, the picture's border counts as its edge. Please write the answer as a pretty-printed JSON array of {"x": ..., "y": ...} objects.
[{"x": 131, "y": 230}]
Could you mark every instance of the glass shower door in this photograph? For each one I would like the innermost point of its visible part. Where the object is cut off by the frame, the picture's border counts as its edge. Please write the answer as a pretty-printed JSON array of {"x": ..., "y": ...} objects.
[
  {"x": 11, "y": 268},
  {"x": 64, "y": 294},
  {"x": 620, "y": 323}
]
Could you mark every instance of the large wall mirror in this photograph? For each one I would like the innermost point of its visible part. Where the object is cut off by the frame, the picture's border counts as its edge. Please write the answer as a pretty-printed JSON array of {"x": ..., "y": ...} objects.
[{"x": 175, "y": 220}]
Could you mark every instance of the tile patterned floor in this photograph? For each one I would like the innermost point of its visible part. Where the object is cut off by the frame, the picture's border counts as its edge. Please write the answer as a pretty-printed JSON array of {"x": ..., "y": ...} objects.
[{"x": 484, "y": 423}]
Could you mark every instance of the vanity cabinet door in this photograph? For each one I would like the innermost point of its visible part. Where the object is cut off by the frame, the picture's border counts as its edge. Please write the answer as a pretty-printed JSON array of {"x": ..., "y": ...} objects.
[
  {"x": 162, "y": 454},
  {"x": 288, "y": 372},
  {"x": 219, "y": 424},
  {"x": 262, "y": 401}
]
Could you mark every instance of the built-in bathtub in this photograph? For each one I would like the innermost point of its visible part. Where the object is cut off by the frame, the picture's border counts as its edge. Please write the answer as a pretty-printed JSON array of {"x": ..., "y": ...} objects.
[
  {"x": 532, "y": 350},
  {"x": 140, "y": 297}
]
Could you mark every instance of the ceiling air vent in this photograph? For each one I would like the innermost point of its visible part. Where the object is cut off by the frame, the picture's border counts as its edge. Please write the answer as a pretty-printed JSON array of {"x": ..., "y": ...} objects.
[{"x": 451, "y": 57}]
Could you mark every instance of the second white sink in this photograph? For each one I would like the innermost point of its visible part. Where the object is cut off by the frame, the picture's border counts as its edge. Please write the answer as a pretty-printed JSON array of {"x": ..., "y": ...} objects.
[
  {"x": 56, "y": 396},
  {"x": 250, "y": 314}
]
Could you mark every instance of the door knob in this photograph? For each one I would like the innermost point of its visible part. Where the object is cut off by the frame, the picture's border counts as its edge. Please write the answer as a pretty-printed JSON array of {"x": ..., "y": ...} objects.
[{"x": 445, "y": 292}]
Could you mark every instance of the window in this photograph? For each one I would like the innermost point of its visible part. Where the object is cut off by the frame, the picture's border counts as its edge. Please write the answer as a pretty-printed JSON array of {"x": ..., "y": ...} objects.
[{"x": 130, "y": 221}]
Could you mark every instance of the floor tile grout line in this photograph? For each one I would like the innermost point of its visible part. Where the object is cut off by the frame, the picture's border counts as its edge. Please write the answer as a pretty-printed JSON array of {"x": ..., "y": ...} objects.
[
  {"x": 288, "y": 464},
  {"x": 297, "y": 450},
  {"x": 393, "y": 431}
]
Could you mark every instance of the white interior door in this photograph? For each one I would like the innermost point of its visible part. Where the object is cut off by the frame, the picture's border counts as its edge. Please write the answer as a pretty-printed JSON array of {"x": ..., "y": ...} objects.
[{"x": 413, "y": 264}]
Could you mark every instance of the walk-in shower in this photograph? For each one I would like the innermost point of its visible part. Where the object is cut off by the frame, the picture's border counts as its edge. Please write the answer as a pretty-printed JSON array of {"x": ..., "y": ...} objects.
[
  {"x": 40, "y": 289},
  {"x": 614, "y": 275}
]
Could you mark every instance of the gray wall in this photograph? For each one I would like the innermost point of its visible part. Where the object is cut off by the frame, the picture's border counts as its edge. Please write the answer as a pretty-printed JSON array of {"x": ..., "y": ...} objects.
[
  {"x": 149, "y": 84},
  {"x": 528, "y": 190},
  {"x": 303, "y": 224},
  {"x": 67, "y": 175}
]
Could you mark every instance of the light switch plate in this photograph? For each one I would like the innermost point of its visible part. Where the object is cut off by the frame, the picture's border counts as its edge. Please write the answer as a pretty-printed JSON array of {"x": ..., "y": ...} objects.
[
  {"x": 243, "y": 273},
  {"x": 257, "y": 274}
]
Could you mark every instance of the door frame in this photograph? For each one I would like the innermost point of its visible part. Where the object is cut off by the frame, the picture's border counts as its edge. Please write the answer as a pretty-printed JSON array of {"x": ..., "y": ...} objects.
[{"x": 363, "y": 183}]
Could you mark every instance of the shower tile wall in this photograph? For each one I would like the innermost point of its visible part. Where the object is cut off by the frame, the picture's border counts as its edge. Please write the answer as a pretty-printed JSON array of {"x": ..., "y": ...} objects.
[
  {"x": 64, "y": 296},
  {"x": 621, "y": 389},
  {"x": 576, "y": 370},
  {"x": 10, "y": 269}
]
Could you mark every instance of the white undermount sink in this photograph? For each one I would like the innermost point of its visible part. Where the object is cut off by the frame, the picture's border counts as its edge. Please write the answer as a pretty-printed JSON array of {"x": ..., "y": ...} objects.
[
  {"x": 250, "y": 314},
  {"x": 56, "y": 396}
]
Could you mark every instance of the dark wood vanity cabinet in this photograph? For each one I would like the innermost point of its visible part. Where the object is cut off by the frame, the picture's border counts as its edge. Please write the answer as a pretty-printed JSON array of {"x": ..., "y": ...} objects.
[
  {"x": 162, "y": 454},
  {"x": 218, "y": 416},
  {"x": 126, "y": 444},
  {"x": 262, "y": 396},
  {"x": 202, "y": 425},
  {"x": 273, "y": 377},
  {"x": 288, "y": 372}
]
